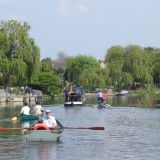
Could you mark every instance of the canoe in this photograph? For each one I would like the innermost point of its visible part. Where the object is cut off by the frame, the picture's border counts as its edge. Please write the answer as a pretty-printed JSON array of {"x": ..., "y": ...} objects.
[
  {"x": 29, "y": 117},
  {"x": 41, "y": 133}
]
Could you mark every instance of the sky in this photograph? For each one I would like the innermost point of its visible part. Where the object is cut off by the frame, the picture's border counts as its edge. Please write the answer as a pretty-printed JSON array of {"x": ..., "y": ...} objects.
[{"x": 88, "y": 27}]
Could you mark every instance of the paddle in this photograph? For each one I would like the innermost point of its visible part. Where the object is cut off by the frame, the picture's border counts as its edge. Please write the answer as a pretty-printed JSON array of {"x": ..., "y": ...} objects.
[
  {"x": 10, "y": 129},
  {"x": 92, "y": 128},
  {"x": 14, "y": 118}
]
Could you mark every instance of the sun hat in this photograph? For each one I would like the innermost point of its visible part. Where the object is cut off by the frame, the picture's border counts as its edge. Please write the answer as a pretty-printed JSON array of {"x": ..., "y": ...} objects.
[{"x": 47, "y": 111}]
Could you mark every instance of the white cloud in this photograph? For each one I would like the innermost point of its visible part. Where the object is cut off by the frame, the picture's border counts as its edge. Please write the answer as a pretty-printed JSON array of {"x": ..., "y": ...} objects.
[
  {"x": 66, "y": 9},
  {"x": 81, "y": 8}
]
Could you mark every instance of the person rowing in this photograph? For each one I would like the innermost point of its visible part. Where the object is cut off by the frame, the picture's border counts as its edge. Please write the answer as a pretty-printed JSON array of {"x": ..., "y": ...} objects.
[
  {"x": 25, "y": 109},
  {"x": 49, "y": 120},
  {"x": 38, "y": 109}
]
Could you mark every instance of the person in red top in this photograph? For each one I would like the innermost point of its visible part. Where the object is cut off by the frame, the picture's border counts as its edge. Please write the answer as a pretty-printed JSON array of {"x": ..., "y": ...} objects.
[{"x": 104, "y": 96}]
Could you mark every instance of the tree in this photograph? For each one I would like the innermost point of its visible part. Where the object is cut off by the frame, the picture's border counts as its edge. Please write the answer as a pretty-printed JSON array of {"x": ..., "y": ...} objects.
[
  {"x": 75, "y": 66},
  {"x": 46, "y": 64},
  {"x": 92, "y": 77},
  {"x": 115, "y": 62},
  {"x": 50, "y": 82},
  {"x": 155, "y": 61},
  {"x": 19, "y": 55},
  {"x": 137, "y": 63}
]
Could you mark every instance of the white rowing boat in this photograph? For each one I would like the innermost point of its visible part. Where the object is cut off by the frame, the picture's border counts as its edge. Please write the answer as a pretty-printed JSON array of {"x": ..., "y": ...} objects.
[{"x": 41, "y": 133}]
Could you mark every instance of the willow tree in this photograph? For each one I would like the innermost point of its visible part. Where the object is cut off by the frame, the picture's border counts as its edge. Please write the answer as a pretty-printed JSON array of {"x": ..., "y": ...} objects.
[
  {"x": 92, "y": 76},
  {"x": 76, "y": 66},
  {"x": 115, "y": 61},
  {"x": 155, "y": 60},
  {"x": 19, "y": 55},
  {"x": 137, "y": 63}
]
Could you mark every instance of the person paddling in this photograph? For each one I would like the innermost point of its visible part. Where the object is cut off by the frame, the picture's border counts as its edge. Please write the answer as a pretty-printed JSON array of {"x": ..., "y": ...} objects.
[
  {"x": 38, "y": 108},
  {"x": 25, "y": 109}
]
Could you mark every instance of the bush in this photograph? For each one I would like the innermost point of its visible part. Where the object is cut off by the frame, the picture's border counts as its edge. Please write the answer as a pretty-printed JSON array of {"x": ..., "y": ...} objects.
[{"x": 147, "y": 97}]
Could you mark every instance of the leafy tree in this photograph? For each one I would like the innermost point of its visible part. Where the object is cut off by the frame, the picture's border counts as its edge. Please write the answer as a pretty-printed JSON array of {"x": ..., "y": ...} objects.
[
  {"x": 115, "y": 62},
  {"x": 46, "y": 64},
  {"x": 19, "y": 55},
  {"x": 51, "y": 82},
  {"x": 137, "y": 63},
  {"x": 155, "y": 60},
  {"x": 92, "y": 76},
  {"x": 76, "y": 66}
]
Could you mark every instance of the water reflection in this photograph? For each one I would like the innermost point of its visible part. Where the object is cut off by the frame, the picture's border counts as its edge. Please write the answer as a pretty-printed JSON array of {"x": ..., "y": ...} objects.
[
  {"x": 41, "y": 151},
  {"x": 25, "y": 124},
  {"x": 127, "y": 100}
]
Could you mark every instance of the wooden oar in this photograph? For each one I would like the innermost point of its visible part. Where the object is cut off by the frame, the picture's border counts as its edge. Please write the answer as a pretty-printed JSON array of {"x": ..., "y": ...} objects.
[
  {"x": 10, "y": 129},
  {"x": 92, "y": 128}
]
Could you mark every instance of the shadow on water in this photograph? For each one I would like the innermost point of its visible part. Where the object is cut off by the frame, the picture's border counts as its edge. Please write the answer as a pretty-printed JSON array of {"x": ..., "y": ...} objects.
[{"x": 127, "y": 100}]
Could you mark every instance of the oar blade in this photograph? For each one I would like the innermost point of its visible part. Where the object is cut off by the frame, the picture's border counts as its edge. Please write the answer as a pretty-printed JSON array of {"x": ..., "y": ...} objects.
[
  {"x": 97, "y": 128},
  {"x": 92, "y": 128},
  {"x": 14, "y": 119},
  {"x": 10, "y": 129}
]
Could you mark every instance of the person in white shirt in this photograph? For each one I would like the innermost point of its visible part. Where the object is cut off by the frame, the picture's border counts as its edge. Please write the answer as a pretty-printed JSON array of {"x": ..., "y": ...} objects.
[
  {"x": 25, "y": 109},
  {"x": 99, "y": 96},
  {"x": 49, "y": 120},
  {"x": 38, "y": 108}
]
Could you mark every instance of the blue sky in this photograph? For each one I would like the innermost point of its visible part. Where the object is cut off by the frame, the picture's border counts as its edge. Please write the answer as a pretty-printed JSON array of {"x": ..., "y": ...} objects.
[{"x": 86, "y": 26}]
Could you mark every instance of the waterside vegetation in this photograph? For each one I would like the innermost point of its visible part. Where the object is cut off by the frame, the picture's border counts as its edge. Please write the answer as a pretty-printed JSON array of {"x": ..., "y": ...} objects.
[{"x": 20, "y": 64}]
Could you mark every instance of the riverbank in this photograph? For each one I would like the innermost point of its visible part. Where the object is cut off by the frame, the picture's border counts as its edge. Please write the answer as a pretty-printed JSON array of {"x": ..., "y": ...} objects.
[{"x": 21, "y": 98}]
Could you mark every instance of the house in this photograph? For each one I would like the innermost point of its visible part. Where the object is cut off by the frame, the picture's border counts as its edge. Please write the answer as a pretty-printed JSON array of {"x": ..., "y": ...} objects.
[
  {"x": 58, "y": 64},
  {"x": 102, "y": 64}
]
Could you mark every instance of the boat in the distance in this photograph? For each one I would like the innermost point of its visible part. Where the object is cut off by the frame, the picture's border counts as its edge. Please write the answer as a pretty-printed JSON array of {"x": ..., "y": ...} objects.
[
  {"x": 122, "y": 93},
  {"x": 42, "y": 133},
  {"x": 74, "y": 99},
  {"x": 103, "y": 105}
]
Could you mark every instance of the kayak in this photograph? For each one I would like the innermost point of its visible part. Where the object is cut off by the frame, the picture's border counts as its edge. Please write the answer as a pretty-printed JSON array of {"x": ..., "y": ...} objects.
[
  {"x": 29, "y": 117},
  {"x": 41, "y": 133}
]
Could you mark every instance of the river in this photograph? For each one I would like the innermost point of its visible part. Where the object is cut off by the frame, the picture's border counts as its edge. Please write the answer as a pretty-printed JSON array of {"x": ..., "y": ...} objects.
[{"x": 131, "y": 133}]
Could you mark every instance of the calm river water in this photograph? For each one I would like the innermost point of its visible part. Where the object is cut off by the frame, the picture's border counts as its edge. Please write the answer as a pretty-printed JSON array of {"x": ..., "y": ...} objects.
[{"x": 130, "y": 133}]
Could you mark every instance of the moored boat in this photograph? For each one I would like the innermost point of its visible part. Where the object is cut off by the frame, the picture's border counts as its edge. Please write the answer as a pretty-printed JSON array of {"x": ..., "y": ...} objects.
[
  {"x": 122, "y": 93},
  {"x": 41, "y": 133}
]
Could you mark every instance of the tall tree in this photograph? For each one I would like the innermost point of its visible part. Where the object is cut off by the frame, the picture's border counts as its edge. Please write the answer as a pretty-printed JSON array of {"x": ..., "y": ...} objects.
[
  {"x": 19, "y": 55},
  {"x": 115, "y": 62},
  {"x": 76, "y": 66},
  {"x": 137, "y": 63},
  {"x": 155, "y": 61}
]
